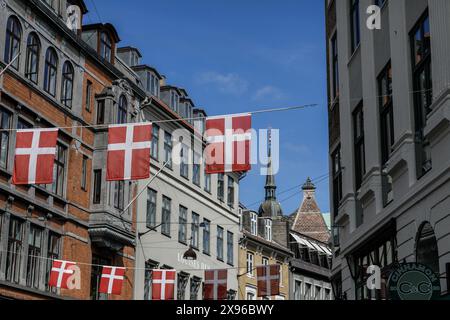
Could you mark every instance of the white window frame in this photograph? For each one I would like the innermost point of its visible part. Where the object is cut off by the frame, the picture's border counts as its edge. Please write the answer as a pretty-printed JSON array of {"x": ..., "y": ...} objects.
[
  {"x": 250, "y": 265},
  {"x": 268, "y": 229},
  {"x": 254, "y": 224}
]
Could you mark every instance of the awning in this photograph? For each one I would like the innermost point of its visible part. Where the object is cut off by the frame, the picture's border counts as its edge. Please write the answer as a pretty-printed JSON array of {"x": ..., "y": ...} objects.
[
  {"x": 319, "y": 248},
  {"x": 303, "y": 241}
]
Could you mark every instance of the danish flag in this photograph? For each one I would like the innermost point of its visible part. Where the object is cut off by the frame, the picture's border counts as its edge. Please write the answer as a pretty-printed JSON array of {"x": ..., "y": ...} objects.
[
  {"x": 60, "y": 273},
  {"x": 34, "y": 156},
  {"x": 112, "y": 280},
  {"x": 229, "y": 142},
  {"x": 163, "y": 284},
  {"x": 268, "y": 278},
  {"x": 129, "y": 152},
  {"x": 216, "y": 284}
]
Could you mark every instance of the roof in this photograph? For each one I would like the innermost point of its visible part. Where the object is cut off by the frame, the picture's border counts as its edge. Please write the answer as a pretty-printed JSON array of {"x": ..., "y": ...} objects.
[
  {"x": 146, "y": 66},
  {"x": 271, "y": 244},
  {"x": 103, "y": 26},
  {"x": 130, "y": 48},
  {"x": 308, "y": 219}
]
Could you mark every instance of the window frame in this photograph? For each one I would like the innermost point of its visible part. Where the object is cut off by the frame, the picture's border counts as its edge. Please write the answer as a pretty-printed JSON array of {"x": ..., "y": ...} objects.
[
  {"x": 152, "y": 203},
  {"x": 182, "y": 224},
  {"x": 220, "y": 243},
  {"x": 33, "y": 55},
  {"x": 68, "y": 77},
  {"x": 359, "y": 144},
  {"x": 13, "y": 41},
  {"x": 166, "y": 216},
  {"x": 51, "y": 71}
]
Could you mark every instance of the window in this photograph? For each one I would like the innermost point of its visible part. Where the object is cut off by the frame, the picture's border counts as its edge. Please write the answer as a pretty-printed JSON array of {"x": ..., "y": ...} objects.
[
  {"x": 84, "y": 171},
  {"x": 207, "y": 182},
  {"x": 231, "y": 295},
  {"x": 14, "y": 250},
  {"x": 253, "y": 223},
  {"x": 96, "y": 198},
  {"x": 119, "y": 194},
  {"x": 230, "y": 251},
  {"x": 122, "y": 110},
  {"x": 50, "y": 71},
  {"x": 423, "y": 88},
  {"x": 265, "y": 261},
  {"x": 166, "y": 211},
  {"x": 230, "y": 192},
  {"x": 67, "y": 84},
  {"x": 327, "y": 294},
  {"x": 219, "y": 243},
  {"x": 308, "y": 291},
  {"x": 220, "y": 186},
  {"x": 337, "y": 179},
  {"x": 297, "y": 290},
  {"x": 386, "y": 113},
  {"x": 206, "y": 236},
  {"x": 196, "y": 169},
  {"x": 59, "y": 170},
  {"x": 52, "y": 254},
  {"x": 88, "y": 96},
  {"x": 13, "y": 38},
  {"x": 34, "y": 257},
  {"x": 251, "y": 295},
  {"x": 250, "y": 264},
  {"x": 182, "y": 280},
  {"x": 335, "y": 66},
  {"x": 149, "y": 82},
  {"x": 318, "y": 292},
  {"x": 360, "y": 160},
  {"x": 268, "y": 229},
  {"x": 194, "y": 289},
  {"x": 151, "y": 208},
  {"x": 184, "y": 167},
  {"x": 195, "y": 229},
  {"x": 32, "y": 62},
  {"x": 155, "y": 142},
  {"x": 168, "y": 145},
  {"x": 105, "y": 46},
  {"x": 174, "y": 101},
  {"x": 182, "y": 229},
  {"x": 96, "y": 274},
  {"x": 354, "y": 24},
  {"x": 5, "y": 123},
  {"x": 101, "y": 112}
]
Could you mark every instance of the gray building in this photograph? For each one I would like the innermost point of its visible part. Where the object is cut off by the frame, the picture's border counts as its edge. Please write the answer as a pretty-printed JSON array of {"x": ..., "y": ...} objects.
[
  {"x": 183, "y": 210},
  {"x": 389, "y": 131}
]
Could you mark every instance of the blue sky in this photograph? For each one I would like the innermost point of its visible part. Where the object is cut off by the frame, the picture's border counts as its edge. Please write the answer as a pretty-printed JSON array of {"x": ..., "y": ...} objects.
[{"x": 235, "y": 56}]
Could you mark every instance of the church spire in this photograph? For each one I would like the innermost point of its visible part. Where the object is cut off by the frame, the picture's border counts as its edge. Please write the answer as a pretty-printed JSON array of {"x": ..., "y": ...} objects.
[{"x": 270, "y": 186}]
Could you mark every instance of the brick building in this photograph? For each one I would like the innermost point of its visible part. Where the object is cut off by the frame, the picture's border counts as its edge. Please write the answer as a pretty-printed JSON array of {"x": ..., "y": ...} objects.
[{"x": 67, "y": 79}]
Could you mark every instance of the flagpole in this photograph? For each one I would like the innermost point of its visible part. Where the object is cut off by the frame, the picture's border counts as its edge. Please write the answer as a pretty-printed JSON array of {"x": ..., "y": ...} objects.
[
  {"x": 145, "y": 187},
  {"x": 9, "y": 64}
]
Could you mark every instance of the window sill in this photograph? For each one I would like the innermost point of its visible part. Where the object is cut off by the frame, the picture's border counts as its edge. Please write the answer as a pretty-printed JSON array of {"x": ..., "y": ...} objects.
[
  {"x": 182, "y": 242},
  {"x": 166, "y": 235},
  {"x": 207, "y": 253}
]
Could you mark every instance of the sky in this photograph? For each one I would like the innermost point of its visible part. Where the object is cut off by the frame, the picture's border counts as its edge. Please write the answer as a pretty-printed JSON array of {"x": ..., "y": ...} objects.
[{"x": 235, "y": 56}]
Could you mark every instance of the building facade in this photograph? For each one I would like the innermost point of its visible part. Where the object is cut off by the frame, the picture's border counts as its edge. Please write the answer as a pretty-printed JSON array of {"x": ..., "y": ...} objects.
[
  {"x": 183, "y": 208},
  {"x": 74, "y": 80},
  {"x": 389, "y": 140},
  {"x": 309, "y": 238}
]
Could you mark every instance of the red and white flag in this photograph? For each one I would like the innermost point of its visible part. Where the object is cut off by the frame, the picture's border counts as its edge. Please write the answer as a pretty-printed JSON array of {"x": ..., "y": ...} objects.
[
  {"x": 229, "y": 143},
  {"x": 129, "y": 152},
  {"x": 112, "y": 280},
  {"x": 216, "y": 284},
  {"x": 163, "y": 284},
  {"x": 34, "y": 156},
  {"x": 268, "y": 278},
  {"x": 60, "y": 273}
]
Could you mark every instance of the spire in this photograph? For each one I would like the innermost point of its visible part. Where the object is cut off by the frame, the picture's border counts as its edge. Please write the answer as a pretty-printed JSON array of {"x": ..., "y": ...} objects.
[{"x": 270, "y": 178}]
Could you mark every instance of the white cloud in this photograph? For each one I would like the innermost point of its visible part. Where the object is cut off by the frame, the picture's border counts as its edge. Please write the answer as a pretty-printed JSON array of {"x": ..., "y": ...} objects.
[
  {"x": 230, "y": 83},
  {"x": 268, "y": 93}
]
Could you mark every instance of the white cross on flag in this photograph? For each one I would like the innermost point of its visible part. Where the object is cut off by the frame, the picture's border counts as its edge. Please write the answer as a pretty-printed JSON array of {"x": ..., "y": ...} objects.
[
  {"x": 34, "y": 156},
  {"x": 129, "y": 152},
  {"x": 112, "y": 280},
  {"x": 229, "y": 142},
  {"x": 163, "y": 284},
  {"x": 60, "y": 273},
  {"x": 268, "y": 278},
  {"x": 216, "y": 284}
]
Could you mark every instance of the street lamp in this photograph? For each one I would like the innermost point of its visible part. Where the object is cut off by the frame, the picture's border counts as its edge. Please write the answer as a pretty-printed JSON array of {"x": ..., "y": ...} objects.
[{"x": 190, "y": 254}]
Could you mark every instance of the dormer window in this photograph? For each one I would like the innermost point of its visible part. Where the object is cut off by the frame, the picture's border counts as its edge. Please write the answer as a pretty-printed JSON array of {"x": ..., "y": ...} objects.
[
  {"x": 152, "y": 84},
  {"x": 105, "y": 46},
  {"x": 268, "y": 229},
  {"x": 253, "y": 223},
  {"x": 174, "y": 101}
]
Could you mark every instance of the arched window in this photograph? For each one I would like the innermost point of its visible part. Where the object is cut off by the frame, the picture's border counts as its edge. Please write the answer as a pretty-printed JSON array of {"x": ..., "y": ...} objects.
[
  {"x": 427, "y": 248},
  {"x": 12, "y": 45},
  {"x": 67, "y": 84},
  {"x": 105, "y": 46},
  {"x": 122, "y": 110},
  {"x": 32, "y": 64},
  {"x": 50, "y": 72}
]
